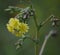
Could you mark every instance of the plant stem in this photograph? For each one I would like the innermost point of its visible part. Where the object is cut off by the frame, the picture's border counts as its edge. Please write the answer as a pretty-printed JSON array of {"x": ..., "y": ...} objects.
[
  {"x": 37, "y": 45},
  {"x": 44, "y": 22},
  {"x": 37, "y": 35},
  {"x": 45, "y": 41},
  {"x": 35, "y": 20},
  {"x": 37, "y": 31}
]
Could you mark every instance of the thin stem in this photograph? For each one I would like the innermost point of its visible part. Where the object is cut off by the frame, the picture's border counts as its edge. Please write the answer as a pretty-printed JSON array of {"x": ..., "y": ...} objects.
[
  {"x": 44, "y": 22},
  {"x": 45, "y": 41},
  {"x": 35, "y": 20},
  {"x": 37, "y": 35},
  {"x": 37, "y": 46}
]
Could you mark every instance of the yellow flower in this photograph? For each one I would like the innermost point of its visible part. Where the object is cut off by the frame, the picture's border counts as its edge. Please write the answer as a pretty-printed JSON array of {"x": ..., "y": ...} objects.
[
  {"x": 16, "y": 27},
  {"x": 23, "y": 27},
  {"x": 19, "y": 34},
  {"x": 10, "y": 28},
  {"x": 13, "y": 22}
]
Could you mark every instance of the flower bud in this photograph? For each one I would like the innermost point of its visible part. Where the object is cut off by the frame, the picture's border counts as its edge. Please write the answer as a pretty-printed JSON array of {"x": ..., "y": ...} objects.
[{"x": 54, "y": 21}]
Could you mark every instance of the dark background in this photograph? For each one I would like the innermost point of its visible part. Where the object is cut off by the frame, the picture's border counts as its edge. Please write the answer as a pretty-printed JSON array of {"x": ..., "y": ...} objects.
[{"x": 43, "y": 8}]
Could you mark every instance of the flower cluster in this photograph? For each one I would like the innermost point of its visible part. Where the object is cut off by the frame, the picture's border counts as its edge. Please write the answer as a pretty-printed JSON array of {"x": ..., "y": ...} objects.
[{"x": 16, "y": 27}]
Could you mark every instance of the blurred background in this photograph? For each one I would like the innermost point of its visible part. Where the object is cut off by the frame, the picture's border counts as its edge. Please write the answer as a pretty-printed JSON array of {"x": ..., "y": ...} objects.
[{"x": 43, "y": 8}]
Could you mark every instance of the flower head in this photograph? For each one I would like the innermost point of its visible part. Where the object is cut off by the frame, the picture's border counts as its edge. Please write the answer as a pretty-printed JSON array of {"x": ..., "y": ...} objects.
[
  {"x": 23, "y": 27},
  {"x": 16, "y": 27}
]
